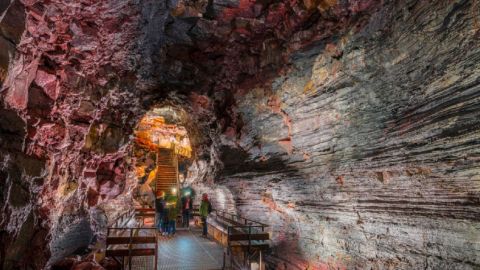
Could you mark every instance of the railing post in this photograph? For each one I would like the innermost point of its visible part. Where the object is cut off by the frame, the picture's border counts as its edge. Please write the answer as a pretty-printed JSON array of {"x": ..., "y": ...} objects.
[
  {"x": 228, "y": 246},
  {"x": 224, "y": 258},
  {"x": 228, "y": 235},
  {"x": 249, "y": 238},
  {"x": 130, "y": 251},
  {"x": 156, "y": 250},
  {"x": 260, "y": 260},
  {"x": 244, "y": 258}
]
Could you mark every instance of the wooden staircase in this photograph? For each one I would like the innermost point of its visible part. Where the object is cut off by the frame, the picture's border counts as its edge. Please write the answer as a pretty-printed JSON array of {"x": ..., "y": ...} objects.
[{"x": 167, "y": 171}]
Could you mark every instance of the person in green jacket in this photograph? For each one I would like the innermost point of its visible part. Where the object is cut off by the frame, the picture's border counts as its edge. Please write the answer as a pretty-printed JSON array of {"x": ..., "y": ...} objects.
[
  {"x": 205, "y": 209},
  {"x": 172, "y": 216}
]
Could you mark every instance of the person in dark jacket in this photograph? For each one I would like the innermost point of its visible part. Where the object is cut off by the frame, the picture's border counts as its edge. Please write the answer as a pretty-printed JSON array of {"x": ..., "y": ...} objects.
[
  {"x": 205, "y": 209},
  {"x": 187, "y": 206},
  {"x": 160, "y": 206},
  {"x": 166, "y": 223}
]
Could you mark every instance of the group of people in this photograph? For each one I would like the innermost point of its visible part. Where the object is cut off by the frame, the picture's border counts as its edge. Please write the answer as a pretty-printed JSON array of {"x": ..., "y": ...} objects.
[
  {"x": 166, "y": 214},
  {"x": 167, "y": 210}
]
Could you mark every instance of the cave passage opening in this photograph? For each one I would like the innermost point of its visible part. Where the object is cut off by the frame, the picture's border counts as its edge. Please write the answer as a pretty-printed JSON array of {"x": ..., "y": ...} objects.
[{"x": 162, "y": 152}]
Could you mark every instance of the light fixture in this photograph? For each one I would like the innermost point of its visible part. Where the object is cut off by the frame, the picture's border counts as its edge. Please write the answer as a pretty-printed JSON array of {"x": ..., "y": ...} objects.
[{"x": 174, "y": 191}]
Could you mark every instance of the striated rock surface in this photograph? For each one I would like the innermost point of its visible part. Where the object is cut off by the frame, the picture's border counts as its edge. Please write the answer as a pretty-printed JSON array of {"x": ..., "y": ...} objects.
[
  {"x": 349, "y": 126},
  {"x": 364, "y": 155}
]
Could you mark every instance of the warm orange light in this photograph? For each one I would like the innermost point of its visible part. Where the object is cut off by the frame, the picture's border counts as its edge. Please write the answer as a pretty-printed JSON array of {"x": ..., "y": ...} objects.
[
  {"x": 140, "y": 171},
  {"x": 154, "y": 133}
]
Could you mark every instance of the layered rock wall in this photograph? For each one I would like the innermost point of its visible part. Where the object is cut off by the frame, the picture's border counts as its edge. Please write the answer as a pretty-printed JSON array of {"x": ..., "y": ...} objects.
[{"x": 365, "y": 154}]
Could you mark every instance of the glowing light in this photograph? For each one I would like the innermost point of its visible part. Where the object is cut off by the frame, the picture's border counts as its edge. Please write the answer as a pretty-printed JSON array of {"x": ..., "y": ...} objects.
[
  {"x": 154, "y": 133},
  {"x": 152, "y": 176},
  {"x": 181, "y": 178},
  {"x": 174, "y": 191},
  {"x": 140, "y": 171}
]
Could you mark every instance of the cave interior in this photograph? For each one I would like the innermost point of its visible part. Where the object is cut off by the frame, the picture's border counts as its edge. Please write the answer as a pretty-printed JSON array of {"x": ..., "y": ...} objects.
[{"x": 349, "y": 128}]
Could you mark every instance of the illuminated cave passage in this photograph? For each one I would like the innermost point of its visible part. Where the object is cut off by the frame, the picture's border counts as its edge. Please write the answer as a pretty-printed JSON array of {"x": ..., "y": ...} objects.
[
  {"x": 161, "y": 152},
  {"x": 347, "y": 131}
]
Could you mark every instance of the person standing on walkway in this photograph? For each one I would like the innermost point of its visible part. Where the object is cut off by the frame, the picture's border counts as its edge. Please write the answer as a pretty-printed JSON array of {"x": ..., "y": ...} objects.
[
  {"x": 160, "y": 211},
  {"x": 205, "y": 209},
  {"x": 172, "y": 217},
  {"x": 186, "y": 208},
  {"x": 165, "y": 223}
]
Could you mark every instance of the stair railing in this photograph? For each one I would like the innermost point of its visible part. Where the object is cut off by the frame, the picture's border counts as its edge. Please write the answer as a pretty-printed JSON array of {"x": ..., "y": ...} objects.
[{"x": 127, "y": 215}]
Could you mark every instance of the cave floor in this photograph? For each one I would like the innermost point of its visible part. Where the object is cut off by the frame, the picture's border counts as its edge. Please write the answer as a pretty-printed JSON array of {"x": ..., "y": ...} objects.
[{"x": 188, "y": 250}]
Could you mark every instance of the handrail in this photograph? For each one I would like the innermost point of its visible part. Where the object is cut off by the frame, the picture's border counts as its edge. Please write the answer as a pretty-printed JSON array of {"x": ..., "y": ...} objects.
[
  {"x": 246, "y": 226},
  {"x": 122, "y": 217},
  {"x": 241, "y": 218},
  {"x": 132, "y": 228},
  {"x": 251, "y": 240},
  {"x": 142, "y": 213},
  {"x": 130, "y": 236}
]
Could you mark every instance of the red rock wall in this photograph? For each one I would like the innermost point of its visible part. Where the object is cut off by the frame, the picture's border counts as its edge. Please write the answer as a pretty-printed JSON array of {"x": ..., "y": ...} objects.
[{"x": 69, "y": 82}]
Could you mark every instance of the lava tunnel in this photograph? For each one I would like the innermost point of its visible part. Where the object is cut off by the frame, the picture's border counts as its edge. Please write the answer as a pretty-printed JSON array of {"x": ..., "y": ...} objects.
[{"x": 239, "y": 134}]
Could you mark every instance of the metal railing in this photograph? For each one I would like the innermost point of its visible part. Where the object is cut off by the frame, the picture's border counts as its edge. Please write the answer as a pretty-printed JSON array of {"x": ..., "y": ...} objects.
[
  {"x": 242, "y": 234},
  {"x": 118, "y": 234},
  {"x": 142, "y": 213},
  {"x": 241, "y": 220},
  {"x": 130, "y": 239},
  {"x": 127, "y": 215}
]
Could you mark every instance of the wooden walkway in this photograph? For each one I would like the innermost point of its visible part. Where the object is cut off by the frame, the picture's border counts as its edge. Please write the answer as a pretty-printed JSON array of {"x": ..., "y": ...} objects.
[
  {"x": 234, "y": 243},
  {"x": 189, "y": 251}
]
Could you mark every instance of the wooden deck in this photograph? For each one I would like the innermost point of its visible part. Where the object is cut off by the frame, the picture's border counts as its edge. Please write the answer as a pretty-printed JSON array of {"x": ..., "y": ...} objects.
[{"x": 234, "y": 243}]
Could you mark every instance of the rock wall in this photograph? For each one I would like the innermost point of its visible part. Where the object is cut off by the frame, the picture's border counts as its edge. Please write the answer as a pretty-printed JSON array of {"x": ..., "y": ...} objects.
[
  {"x": 12, "y": 25},
  {"x": 364, "y": 155},
  {"x": 65, "y": 127},
  {"x": 73, "y": 94}
]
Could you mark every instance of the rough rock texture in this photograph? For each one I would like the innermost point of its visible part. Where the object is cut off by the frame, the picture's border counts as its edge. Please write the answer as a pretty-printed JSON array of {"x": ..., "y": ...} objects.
[
  {"x": 12, "y": 24},
  {"x": 73, "y": 125},
  {"x": 366, "y": 153},
  {"x": 349, "y": 126}
]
